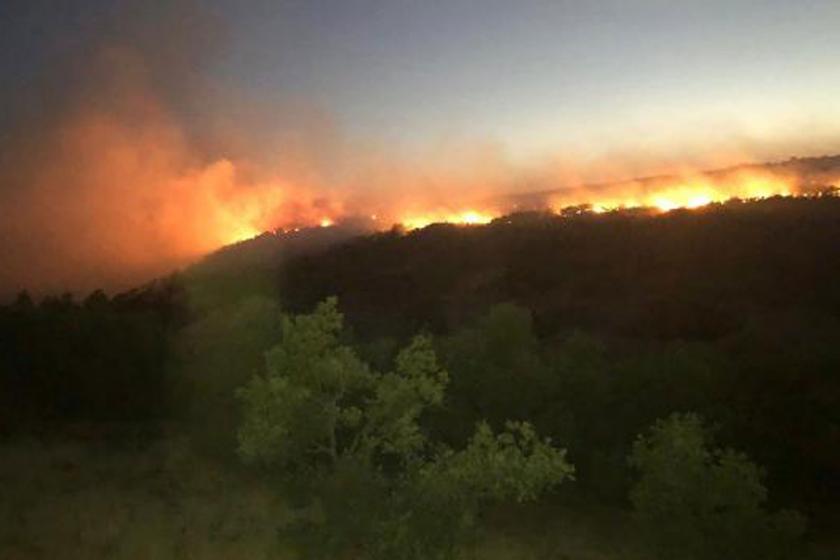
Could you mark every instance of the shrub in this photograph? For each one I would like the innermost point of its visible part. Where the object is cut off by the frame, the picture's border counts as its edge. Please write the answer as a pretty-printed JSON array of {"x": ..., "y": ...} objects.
[{"x": 696, "y": 501}]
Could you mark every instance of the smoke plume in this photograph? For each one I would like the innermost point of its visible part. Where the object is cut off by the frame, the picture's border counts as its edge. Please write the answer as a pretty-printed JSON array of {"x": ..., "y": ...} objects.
[{"x": 122, "y": 159}]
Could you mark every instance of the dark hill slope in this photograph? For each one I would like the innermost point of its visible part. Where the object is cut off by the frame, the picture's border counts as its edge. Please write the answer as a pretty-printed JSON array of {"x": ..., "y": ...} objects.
[{"x": 683, "y": 274}]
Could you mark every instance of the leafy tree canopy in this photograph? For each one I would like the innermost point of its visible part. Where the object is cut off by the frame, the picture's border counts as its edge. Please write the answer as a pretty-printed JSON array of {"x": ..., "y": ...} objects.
[
  {"x": 351, "y": 442},
  {"x": 698, "y": 501}
]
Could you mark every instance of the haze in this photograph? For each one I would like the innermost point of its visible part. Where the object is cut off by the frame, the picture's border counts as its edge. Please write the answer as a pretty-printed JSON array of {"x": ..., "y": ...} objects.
[{"x": 137, "y": 136}]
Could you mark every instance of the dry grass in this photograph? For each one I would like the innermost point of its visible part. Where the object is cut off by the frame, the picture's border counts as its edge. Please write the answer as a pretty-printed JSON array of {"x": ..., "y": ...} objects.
[
  {"x": 81, "y": 501},
  {"x": 551, "y": 532},
  {"x": 90, "y": 502}
]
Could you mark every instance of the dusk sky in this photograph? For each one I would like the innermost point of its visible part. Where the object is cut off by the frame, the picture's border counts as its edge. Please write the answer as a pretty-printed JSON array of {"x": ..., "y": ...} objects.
[
  {"x": 547, "y": 76},
  {"x": 136, "y": 136},
  {"x": 539, "y": 77}
]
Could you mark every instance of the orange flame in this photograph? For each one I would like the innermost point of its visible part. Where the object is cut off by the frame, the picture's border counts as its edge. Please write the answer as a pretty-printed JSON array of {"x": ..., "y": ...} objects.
[
  {"x": 465, "y": 217},
  {"x": 661, "y": 194},
  {"x": 692, "y": 191}
]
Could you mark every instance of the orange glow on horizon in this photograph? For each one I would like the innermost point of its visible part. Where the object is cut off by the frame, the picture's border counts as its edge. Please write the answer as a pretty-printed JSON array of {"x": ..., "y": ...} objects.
[
  {"x": 466, "y": 217},
  {"x": 689, "y": 192},
  {"x": 114, "y": 191}
]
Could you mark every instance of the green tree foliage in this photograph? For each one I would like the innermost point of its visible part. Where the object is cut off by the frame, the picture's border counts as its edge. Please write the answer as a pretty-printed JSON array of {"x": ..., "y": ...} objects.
[
  {"x": 350, "y": 445},
  {"x": 585, "y": 407},
  {"x": 697, "y": 501},
  {"x": 497, "y": 371}
]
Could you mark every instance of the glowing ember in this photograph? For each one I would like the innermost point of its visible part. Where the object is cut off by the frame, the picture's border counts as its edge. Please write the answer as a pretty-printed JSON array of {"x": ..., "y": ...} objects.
[
  {"x": 467, "y": 217},
  {"x": 325, "y": 222}
]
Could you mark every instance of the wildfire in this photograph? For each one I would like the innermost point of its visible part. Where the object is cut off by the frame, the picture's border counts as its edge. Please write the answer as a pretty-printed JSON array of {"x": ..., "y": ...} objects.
[
  {"x": 658, "y": 194},
  {"x": 693, "y": 191},
  {"x": 690, "y": 192},
  {"x": 466, "y": 217}
]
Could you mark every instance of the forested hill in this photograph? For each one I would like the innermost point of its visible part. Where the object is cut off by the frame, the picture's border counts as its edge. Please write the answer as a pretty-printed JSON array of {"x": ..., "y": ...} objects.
[
  {"x": 592, "y": 326},
  {"x": 693, "y": 274},
  {"x": 731, "y": 310}
]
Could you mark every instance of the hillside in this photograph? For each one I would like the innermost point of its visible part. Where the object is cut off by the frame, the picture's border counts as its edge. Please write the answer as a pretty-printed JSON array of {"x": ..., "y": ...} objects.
[
  {"x": 593, "y": 327},
  {"x": 694, "y": 274}
]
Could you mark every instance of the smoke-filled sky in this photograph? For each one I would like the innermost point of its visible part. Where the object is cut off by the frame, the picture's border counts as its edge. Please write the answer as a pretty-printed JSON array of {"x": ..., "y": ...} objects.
[{"x": 137, "y": 135}]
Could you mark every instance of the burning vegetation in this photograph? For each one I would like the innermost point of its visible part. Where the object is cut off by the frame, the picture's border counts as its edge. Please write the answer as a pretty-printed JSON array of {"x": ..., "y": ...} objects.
[
  {"x": 794, "y": 178},
  {"x": 110, "y": 184}
]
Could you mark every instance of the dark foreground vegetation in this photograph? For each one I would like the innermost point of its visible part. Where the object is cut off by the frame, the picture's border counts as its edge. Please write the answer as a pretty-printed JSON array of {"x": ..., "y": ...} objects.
[{"x": 626, "y": 385}]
